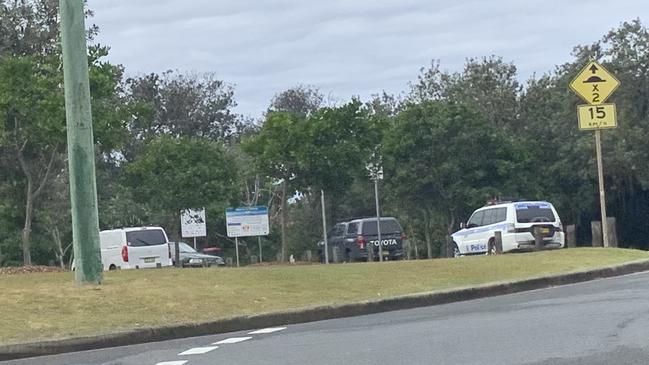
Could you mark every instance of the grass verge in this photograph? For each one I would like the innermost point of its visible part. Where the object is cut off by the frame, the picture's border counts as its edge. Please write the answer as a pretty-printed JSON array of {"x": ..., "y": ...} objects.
[{"x": 47, "y": 306}]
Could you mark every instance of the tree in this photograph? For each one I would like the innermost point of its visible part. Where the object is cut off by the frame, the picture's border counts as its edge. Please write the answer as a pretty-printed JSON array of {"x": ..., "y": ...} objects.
[
  {"x": 31, "y": 108},
  {"x": 300, "y": 100},
  {"x": 442, "y": 159},
  {"x": 275, "y": 151},
  {"x": 181, "y": 105},
  {"x": 172, "y": 174}
]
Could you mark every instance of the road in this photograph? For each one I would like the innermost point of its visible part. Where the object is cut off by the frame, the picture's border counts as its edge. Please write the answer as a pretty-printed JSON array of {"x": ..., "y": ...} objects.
[{"x": 599, "y": 322}]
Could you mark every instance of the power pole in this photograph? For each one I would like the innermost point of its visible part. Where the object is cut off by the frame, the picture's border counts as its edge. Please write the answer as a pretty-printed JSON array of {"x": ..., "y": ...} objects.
[{"x": 81, "y": 149}]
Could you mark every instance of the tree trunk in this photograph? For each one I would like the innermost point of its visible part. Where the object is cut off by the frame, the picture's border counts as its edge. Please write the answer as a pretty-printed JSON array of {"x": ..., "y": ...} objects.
[
  {"x": 427, "y": 225},
  {"x": 56, "y": 237},
  {"x": 429, "y": 245},
  {"x": 27, "y": 229},
  {"x": 283, "y": 219}
]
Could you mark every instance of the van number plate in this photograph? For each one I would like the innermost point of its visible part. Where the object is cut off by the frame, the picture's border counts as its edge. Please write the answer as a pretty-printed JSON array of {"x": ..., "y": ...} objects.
[{"x": 148, "y": 260}]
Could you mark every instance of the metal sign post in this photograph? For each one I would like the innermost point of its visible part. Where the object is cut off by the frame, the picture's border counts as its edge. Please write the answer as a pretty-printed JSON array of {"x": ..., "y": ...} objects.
[
  {"x": 378, "y": 217},
  {"x": 236, "y": 245},
  {"x": 595, "y": 84},
  {"x": 324, "y": 227},
  {"x": 602, "y": 193}
]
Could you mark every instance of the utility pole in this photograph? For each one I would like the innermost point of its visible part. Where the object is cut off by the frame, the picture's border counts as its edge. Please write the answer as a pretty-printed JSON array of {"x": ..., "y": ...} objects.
[{"x": 81, "y": 149}]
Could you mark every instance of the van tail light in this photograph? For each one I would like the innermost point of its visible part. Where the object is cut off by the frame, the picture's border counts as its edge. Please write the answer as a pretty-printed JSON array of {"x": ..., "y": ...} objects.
[
  {"x": 511, "y": 228},
  {"x": 360, "y": 241},
  {"x": 125, "y": 253}
]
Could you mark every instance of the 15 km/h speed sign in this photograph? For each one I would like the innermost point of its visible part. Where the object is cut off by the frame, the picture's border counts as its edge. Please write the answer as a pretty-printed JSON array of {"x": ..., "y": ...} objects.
[{"x": 600, "y": 116}]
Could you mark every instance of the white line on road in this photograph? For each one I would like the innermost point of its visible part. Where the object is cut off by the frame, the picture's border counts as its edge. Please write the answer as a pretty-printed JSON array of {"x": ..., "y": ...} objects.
[
  {"x": 172, "y": 362},
  {"x": 198, "y": 350},
  {"x": 267, "y": 330},
  {"x": 232, "y": 340}
]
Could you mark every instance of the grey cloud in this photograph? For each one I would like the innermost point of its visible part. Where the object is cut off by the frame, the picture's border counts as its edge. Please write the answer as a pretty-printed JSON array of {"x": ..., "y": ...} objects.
[{"x": 346, "y": 47}]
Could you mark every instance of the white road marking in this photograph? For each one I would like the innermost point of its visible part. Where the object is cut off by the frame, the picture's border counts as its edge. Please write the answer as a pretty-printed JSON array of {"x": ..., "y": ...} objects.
[
  {"x": 172, "y": 362},
  {"x": 232, "y": 340},
  {"x": 267, "y": 330},
  {"x": 198, "y": 350}
]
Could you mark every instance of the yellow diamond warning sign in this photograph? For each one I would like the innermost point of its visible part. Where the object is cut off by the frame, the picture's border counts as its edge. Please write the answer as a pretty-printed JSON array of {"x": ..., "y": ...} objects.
[{"x": 594, "y": 84}]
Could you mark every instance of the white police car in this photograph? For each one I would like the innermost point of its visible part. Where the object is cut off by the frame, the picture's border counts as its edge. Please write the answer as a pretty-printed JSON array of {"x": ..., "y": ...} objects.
[{"x": 515, "y": 221}]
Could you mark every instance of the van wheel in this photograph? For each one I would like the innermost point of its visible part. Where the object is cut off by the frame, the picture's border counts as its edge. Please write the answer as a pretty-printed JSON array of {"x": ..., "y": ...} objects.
[
  {"x": 112, "y": 267},
  {"x": 456, "y": 250}
]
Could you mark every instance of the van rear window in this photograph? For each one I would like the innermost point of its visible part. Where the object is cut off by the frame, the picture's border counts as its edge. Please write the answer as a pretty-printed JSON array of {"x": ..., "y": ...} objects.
[
  {"x": 529, "y": 213},
  {"x": 149, "y": 237}
]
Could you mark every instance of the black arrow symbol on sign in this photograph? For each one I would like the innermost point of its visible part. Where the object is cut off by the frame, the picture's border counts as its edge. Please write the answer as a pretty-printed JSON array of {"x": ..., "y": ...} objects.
[{"x": 593, "y": 69}]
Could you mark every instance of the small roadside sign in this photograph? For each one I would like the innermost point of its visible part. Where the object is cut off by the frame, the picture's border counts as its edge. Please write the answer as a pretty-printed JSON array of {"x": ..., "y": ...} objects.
[
  {"x": 600, "y": 116},
  {"x": 192, "y": 223},
  {"x": 594, "y": 83},
  {"x": 247, "y": 221}
]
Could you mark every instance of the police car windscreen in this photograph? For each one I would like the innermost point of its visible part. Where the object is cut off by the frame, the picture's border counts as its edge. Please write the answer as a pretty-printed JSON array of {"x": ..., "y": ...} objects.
[
  {"x": 149, "y": 237},
  {"x": 369, "y": 228},
  {"x": 528, "y": 213}
]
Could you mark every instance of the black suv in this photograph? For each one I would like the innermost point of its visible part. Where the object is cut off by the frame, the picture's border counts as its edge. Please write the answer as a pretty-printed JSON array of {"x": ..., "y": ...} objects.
[{"x": 355, "y": 238}]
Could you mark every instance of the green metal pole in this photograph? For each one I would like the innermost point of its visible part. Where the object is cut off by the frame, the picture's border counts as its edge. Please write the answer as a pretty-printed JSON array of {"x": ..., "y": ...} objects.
[{"x": 81, "y": 149}]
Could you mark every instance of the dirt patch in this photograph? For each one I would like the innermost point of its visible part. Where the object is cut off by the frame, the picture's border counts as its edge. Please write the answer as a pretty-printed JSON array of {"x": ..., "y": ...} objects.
[{"x": 28, "y": 269}]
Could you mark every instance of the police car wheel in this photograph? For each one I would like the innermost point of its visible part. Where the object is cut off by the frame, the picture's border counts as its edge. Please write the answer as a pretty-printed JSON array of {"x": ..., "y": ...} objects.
[
  {"x": 456, "y": 250},
  {"x": 492, "y": 247}
]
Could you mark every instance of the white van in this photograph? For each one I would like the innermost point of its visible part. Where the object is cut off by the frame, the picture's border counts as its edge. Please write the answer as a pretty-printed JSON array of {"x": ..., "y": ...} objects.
[
  {"x": 515, "y": 221},
  {"x": 134, "y": 248}
]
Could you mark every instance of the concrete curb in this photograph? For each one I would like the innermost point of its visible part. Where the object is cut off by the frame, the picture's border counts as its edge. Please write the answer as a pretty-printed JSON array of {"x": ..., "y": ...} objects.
[{"x": 8, "y": 352}]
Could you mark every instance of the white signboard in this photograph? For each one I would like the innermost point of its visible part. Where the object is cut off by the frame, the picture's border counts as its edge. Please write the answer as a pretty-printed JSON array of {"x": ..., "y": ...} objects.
[
  {"x": 192, "y": 223},
  {"x": 247, "y": 221}
]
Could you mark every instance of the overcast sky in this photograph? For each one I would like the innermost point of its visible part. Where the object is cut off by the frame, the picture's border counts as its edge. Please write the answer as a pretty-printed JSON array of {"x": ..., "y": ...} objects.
[{"x": 346, "y": 47}]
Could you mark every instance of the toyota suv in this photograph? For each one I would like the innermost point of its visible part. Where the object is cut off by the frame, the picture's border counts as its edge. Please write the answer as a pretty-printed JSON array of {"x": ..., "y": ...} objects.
[
  {"x": 516, "y": 222},
  {"x": 356, "y": 237}
]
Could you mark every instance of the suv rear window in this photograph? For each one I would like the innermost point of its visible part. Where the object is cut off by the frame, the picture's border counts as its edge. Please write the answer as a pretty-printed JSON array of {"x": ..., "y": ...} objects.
[
  {"x": 529, "y": 213},
  {"x": 352, "y": 229},
  {"x": 149, "y": 237},
  {"x": 389, "y": 226}
]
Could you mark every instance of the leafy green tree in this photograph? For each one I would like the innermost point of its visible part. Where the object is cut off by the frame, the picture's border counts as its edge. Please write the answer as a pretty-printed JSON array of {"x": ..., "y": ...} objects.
[
  {"x": 275, "y": 150},
  {"x": 442, "y": 160},
  {"x": 173, "y": 174}
]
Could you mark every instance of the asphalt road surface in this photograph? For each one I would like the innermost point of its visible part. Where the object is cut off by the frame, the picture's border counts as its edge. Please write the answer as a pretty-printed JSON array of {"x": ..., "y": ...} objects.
[{"x": 599, "y": 322}]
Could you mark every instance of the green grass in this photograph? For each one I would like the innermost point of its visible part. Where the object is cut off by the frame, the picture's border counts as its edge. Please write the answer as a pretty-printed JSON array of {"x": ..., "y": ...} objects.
[{"x": 51, "y": 306}]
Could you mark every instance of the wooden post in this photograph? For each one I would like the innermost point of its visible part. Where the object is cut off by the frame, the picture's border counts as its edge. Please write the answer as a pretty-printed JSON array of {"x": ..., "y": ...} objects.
[
  {"x": 538, "y": 239},
  {"x": 370, "y": 252},
  {"x": 498, "y": 241},
  {"x": 571, "y": 236},
  {"x": 596, "y": 229},
  {"x": 177, "y": 254},
  {"x": 612, "y": 232},
  {"x": 335, "y": 253}
]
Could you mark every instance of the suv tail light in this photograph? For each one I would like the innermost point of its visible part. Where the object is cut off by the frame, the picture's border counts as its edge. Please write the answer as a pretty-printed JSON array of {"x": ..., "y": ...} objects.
[
  {"x": 560, "y": 228},
  {"x": 169, "y": 249},
  {"x": 360, "y": 241},
  {"x": 125, "y": 253},
  {"x": 403, "y": 237}
]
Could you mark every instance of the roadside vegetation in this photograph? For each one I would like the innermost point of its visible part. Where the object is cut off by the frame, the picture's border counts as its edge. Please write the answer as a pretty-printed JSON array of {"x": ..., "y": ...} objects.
[
  {"x": 46, "y": 306},
  {"x": 447, "y": 143}
]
